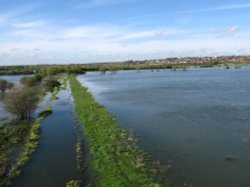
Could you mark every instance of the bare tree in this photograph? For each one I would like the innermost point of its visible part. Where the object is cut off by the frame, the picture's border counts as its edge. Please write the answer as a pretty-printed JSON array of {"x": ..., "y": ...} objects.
[{"x": 21, "y": 103}]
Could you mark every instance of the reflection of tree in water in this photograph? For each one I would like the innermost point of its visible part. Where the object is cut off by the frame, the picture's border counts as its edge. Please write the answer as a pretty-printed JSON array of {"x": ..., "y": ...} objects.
[{"x": 1, "y": 98}]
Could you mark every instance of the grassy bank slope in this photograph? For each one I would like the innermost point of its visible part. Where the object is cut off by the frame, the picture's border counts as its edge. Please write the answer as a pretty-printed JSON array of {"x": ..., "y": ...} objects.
[{"x": 116, "y": 159}]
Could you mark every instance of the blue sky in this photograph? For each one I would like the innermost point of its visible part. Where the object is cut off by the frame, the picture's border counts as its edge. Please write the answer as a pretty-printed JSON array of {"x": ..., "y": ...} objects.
[{"x": 86, "y": 31}]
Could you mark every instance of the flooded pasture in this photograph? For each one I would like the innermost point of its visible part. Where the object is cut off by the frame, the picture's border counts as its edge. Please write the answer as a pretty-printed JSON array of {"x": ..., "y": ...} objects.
[{"x": 197, "y": 121}]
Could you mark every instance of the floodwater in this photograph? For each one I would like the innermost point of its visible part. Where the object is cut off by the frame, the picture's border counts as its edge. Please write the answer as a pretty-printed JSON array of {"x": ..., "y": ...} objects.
[
  {"x": 13, "y": 78},
  {"x": 197, "y": 121},
  {"x": 54, "y": 162}
]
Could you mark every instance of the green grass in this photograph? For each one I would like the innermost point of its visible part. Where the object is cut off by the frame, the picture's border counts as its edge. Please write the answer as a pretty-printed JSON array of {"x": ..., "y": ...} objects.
[
  {"x": 78, "y": 154},
  {"x": 73, "y": 183},
  {"x": 11, "y": 136},
  {"x": 54, "y": 93},
  {"x": 47, "y": 111},
  {"x": 64, "y": 82},
  {"x": 116, "y": 158},
  {"x": 19, "y": 134}
]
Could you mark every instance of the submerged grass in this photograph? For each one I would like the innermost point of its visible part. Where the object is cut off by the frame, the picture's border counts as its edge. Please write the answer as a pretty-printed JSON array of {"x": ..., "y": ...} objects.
[
  {"x": 73, "y": 183},
  {"x": 47, "y": 111},
  {"x": 230, "y": 158},
  {"x": 64, "y": 82},
  {"x": 78, "y": 154},
  {"x": 12, "y": 170},
  {"x": 54, "y": 93},
  {"x": 116, "y": 159}
]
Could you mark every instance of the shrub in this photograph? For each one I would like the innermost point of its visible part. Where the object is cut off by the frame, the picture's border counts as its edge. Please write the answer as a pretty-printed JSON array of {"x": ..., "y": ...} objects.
[
  {"x": 3, "y": 85},
  {"x": 21, "y": 103},
  {"x": 51, "y": 83}
]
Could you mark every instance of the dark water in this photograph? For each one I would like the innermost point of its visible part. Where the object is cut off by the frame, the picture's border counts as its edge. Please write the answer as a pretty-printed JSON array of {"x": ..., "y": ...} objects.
[
  {"x": 5, "y": 117},
  {"x": 192, "y": 119},
  {"x": 54, "y": 162}
]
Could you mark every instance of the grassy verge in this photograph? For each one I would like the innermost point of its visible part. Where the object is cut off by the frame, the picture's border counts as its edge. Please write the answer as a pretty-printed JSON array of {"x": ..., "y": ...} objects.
[
  {"x": 116, "y": 159},
  {"x": 12, "y": 170}
]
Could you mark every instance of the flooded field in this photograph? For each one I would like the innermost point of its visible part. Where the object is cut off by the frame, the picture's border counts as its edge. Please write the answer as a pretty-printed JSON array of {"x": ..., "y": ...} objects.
[
  {"x": 197, "y": 121},
  {"x": 13, "y": 78}
]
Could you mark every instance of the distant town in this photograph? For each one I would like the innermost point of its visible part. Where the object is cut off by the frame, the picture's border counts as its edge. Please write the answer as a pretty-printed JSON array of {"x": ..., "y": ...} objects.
[
  {"x": 197, "y": 60},
  {"x": 168, "y": 63}
]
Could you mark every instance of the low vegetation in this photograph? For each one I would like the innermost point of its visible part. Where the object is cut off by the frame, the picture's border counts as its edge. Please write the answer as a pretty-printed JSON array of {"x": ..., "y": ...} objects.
[
  {"x": 21, "y": 103},
  {"x": 5, "y": 85},
  {"x": 47, "y": 111},
  {"x": 11, "y": 137},
  {"x": 116, "y": 159},
  {"x": 51, "y": 83},
  {"x": 18, "y": 141},
  {"x": 73, "y": 183},
  {"x": 54, "y": 93},
  {"x": 169, "y": 63},
  {"x": 64, "y": 81},
  {"x": 78, "y": 154},
  {"x": 230, "y": 158},
  {"x": 31, "y": 81}
]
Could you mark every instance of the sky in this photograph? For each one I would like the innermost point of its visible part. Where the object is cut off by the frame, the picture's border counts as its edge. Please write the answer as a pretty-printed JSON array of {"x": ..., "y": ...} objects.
[{"x": 89, "y": 31}]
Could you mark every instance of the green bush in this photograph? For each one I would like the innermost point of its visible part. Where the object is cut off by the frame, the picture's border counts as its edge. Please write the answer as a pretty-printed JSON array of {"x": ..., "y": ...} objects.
[
  {"x": 29, "y": 81},
  {"x": 21, "y": 103},
  {"x": 51, "y": 83}
]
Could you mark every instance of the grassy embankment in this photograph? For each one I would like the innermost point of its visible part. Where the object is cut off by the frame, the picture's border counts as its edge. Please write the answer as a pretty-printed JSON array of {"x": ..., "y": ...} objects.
[
  {"x": 116, "y": 159},
  {"x": 18, "y": 141}
]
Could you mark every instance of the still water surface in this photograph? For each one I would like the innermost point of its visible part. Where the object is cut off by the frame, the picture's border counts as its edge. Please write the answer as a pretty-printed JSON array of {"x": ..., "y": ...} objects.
[
  {"x": 54, "y": 162},
  {"x": 190, "y": 119},
  {"x": 14, "y": 78}
]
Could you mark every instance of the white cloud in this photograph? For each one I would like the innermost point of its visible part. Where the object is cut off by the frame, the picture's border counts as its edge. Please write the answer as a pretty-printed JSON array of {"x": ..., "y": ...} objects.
[
  {"x": 30, "y": 24},
  {"x": 186, "y": 20},
  {"x": 39, "y": 41},
  {"x": 89, "y": 32},
  {"x": 97, "y": 3},
  {"x": 135, "y": 35},
  {"x": 2, "y": 20},
  {"x": 218, "y": 8},
  {"x": 82, "y": 51},
  {"x": 228, "y": 31}
]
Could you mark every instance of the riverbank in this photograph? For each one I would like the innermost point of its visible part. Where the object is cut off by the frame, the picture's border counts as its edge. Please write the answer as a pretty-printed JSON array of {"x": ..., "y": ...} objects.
[
  {"x": 21, "y": 143},
  {"x": 116, "y": 158}
]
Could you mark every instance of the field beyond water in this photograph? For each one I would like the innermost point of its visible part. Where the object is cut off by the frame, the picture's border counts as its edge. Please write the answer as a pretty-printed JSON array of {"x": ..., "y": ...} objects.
[{"x": 196, "y": 121}]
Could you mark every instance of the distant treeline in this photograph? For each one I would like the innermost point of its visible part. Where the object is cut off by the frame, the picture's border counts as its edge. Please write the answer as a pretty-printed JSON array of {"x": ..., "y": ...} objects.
[
  {"x": 44, "y": 70},
  {"x": 50, "y": 70}
]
